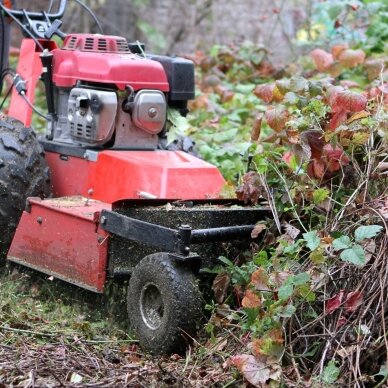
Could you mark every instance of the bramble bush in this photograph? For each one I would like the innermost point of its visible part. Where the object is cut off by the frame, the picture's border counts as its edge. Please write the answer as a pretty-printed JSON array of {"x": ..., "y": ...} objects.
[{"x": 310, "y": 140}]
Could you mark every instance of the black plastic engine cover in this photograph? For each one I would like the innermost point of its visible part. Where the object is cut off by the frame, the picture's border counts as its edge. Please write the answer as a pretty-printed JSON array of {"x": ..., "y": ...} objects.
[{"x": 180, "y": 75}]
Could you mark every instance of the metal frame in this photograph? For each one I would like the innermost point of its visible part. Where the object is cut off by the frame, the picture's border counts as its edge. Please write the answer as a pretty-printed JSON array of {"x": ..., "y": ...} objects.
[{"x": 169, "y": 240}]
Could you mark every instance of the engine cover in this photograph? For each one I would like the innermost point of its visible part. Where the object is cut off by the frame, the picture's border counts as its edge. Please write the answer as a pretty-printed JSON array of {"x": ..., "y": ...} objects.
[
  {"x": 105, "y": 60},
  {"x": 91, "y": 115}
]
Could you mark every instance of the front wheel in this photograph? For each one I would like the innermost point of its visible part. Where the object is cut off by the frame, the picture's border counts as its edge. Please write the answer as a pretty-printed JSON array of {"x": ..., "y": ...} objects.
[{"x": 164, "y": 304}]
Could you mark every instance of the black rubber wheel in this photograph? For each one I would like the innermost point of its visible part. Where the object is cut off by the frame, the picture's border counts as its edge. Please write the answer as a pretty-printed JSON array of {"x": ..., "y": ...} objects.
[
  {"x": 23, "y": 173},
  {"x": 164, "y": 304}
]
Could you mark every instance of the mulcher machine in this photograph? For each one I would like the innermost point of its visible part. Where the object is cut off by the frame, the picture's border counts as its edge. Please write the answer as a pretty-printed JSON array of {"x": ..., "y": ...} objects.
[{"x": 100, "y": 196}]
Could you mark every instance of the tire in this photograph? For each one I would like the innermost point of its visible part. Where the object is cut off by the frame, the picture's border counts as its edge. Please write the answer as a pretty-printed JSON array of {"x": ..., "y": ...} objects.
[
  {"x": 164, "y": 304},
  {"x": 23, "y": 173}
]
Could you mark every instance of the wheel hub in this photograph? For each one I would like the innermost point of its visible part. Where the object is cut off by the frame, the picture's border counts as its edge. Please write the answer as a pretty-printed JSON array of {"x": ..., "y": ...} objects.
[{"x": 151, "y": 306}]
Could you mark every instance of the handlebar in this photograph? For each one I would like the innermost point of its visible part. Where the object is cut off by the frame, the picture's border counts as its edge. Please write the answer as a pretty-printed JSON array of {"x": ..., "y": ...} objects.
[{"x": 40, "y": 15}]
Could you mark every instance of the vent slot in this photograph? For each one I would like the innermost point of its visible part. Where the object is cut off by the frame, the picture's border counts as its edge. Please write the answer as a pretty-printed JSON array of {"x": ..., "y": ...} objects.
[
  {"x": 89, "y": 44},
  {"x": 102, "y": 45}
]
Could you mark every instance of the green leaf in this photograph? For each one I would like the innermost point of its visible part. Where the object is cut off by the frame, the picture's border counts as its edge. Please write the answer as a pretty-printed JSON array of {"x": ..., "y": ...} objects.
[
  {"x": 312, "y": 240},
  {"x": 342, "y": 242},
  {"x": 288, "y": 311},
  {"x": 179, "y": 125},
  {"x": 317, "y": 257},
  {"x": 330, "y": 373},
  {"x": 301, "y": 278},
  {"x": 320, "y": 195},
  {"x": 306, "y": 293},
  {"x": 285, "y": 291},
  {"x": 354, "y": 255},
  {"x": 368, "y": 231}
]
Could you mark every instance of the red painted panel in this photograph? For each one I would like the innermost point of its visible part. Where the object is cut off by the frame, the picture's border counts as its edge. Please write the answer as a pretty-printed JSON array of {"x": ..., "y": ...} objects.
[
  {"x": 30, "y": 69},
  {"x": 123, "y": 174},
  {"x": 60, "y": 237}
]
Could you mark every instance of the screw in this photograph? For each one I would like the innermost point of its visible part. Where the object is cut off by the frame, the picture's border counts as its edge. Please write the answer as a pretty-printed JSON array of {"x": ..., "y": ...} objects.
[
  {"x": 39, "y": 220},
  {"x": 152, "y": 112}
]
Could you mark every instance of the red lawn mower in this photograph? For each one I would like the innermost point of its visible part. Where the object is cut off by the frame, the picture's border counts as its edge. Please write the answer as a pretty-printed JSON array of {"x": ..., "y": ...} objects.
[{"x": 101, "y": 195}]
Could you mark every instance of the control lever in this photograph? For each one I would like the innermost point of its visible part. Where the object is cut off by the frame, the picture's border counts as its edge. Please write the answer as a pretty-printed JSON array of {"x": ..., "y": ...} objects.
[{"x": 54, "y": 29}]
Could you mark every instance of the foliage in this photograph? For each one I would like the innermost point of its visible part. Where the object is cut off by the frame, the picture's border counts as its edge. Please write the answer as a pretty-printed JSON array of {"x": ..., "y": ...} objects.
[{"x": 313, "y": 143}]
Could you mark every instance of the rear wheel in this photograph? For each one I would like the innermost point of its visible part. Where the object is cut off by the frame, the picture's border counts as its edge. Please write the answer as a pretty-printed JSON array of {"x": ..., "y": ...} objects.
[
  {"x": 164, "y": 304},
  {"x": 23, "y": 173}
]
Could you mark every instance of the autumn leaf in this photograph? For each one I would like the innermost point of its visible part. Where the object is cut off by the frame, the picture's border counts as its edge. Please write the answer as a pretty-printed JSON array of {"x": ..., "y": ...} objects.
[
  {"x": 334, "y": 303},
  {"x": 353, "y": 301},
  {"x": 348, "y": 101},
  {"x": 256, "y": 129},
  {"x": 337, "y": 49},
  {"x": 334, "y": 157},
  {"x": 332, "y": 92},
  {"x": 260, "y": 280},
  {"x": 335, "y": 69},
  {"x": 251, "y": 300},
  {"x": 265, "y": 92},
  {"x": 322, "y": 59},
  {"x": 254, "y": 371},
  {"x": 251, "y": 188},
  {"x": 337, "y": 119},
  {"x": 316, "y": 169},
  {"x": 257, "y": 230},
  {"x": 358, "y": 116},
  {"x": 220, "y": 287},
  {"x": 373, "y": 68},
  {"x": 277, "y": 118},
  {"x": 351, "y": 58}
]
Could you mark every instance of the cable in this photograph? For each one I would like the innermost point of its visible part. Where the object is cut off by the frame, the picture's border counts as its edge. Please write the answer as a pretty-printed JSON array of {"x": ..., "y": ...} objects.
[
  {"x": 23, "y": 94},
  {"x": 50, "y": 6},
  {"x": 21, "y": 26},
  {"x": 2, "y": 45},
  {"x": 91, "y": 13},
  {"x": 6, "y": 97}
]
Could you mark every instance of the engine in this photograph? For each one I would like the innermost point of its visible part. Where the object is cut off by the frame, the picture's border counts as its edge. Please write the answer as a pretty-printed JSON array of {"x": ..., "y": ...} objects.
[{"x": 107, "y": 94}]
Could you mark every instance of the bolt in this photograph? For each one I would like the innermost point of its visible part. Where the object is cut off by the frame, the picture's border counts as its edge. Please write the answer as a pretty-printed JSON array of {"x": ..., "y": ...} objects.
[
  {"x": 103, "y": 220},
  {"x": 39, "y": 220},
  {"x": 152, "y": 112}
]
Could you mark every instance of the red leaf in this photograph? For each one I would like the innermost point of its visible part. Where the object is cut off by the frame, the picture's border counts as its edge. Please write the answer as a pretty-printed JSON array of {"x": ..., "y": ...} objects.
[
  {"x": 337, "y": 49},
  {"x": 256, "y": 372},
  {"x": 351, "y": 58},
  {"x": 276, "y": 118},
  {"x": 316, "y": 169},
  {"x": 338, "y": 119},
  {"x": 251, "y": 300},
  {"x": 287, "y": 157},
  {"x": 334, "y": 157},
  {"x": 265, "y": 92},
  {"x": 322, "y": 59},
  {"x": 335, "y": 302},
  {"x": 315, "y": 141},
  {"x": 332, "y": 92},
  {"x": 348, "y": 101},
  {"x": 353, "y": 301}
]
